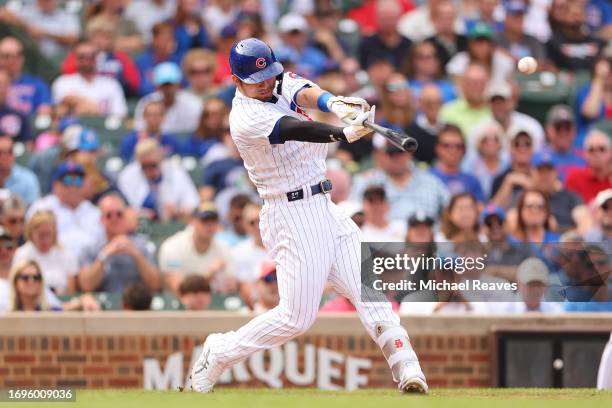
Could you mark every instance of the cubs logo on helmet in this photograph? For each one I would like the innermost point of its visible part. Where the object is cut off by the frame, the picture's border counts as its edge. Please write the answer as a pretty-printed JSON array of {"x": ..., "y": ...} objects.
[{"x": 253, "y": 61}]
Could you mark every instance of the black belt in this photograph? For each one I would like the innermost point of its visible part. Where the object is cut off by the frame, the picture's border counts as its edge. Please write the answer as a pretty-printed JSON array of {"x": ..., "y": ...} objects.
[{"x": 324, "y": 187}]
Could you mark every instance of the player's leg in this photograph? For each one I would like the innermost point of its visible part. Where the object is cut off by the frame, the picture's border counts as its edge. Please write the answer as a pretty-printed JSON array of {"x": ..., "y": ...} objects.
[
  {"x": 378, "y": 317},
  {"x": 301, "y": 271},
  {"x": 604, "y": 374}
]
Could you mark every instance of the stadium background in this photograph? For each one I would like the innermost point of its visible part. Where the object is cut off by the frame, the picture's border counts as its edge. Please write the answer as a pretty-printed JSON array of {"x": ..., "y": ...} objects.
[{"x": 108, "y": 349}]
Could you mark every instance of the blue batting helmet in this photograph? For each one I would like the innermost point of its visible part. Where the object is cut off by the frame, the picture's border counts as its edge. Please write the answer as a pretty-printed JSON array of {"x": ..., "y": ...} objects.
[{"x": 253, "y": 61}]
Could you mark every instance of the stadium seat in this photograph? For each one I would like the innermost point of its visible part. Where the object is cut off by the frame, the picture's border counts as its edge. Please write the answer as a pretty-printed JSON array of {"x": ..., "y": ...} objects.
[{"x": 540, "y": 92}]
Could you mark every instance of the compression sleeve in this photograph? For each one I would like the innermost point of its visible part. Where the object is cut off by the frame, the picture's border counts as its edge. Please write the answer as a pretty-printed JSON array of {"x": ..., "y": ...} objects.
[{"x": 288, "y": 128}]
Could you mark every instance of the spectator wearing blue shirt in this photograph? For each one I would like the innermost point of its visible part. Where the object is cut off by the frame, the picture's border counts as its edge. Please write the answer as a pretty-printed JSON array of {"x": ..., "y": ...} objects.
[
  {"x": 12, "y": 123},
  {"x": 15, "y": 178},
  {"x": 153, "y": 117},
  {"x": 561, "y": 132},
  {"x": 450, "y": 150},
  {"x": 29, "y": 94},
  {"x": 423, "y": 66},
  {"x": 213, "y": 125},
  {"x": 594, "y": 99},
  {"x": 294, "y": 33},
  {"x": 163, "y": 49},
  {"x": 599, "y": 18},
  {"x": 223, "y": 171},
  {"x": 189, "y": 30}
]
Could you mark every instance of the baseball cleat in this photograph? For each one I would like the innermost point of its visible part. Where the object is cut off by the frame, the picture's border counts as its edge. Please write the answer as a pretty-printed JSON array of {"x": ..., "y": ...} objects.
[
  {"x": 412, "y": 379},
  {"x": 203, "y": 374}
]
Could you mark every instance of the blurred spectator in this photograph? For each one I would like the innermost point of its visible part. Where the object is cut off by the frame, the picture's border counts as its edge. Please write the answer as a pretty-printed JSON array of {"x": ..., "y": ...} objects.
[
  {"x": 570, "y": 47},
  {"x": 58, "y": 266},
  {"x": 354, "y": 210},
  {"x": 223, "y": 74},
  {"x": 12, "y": 217},
  {"x": 109, "y": 62},
  {"x": 560, "y": 136},
  {"x": 12, "y": 123},
  {"x": 54, "y": 29},
  {"x": 594, "y": 99},
  {"x": 136, "y": 296},
  {"x": 17, "y": 179},
  {"x": 420, "y": 228},
  {"x": 535, "y": 222},
  {"x": 419, "y": 24},
  {"x": 366, "y": 15},
  {"x": 507, "y": 186},
  {"x": 162, "y": 49},
  {"x": 196, "y": 250},
  {"x": 127, "y": 36},
  {"x": 219, "y": 14},
  {"x": 146, "y": 13},
  {"x": 221, "y": 169},
  {"x": 566, "y": 206},
  {"x": 153, "y": 114},
  {"x": 513, "y": 38},
  {"x": 53, "y": 134},
  {"x": 423, "y": 67},
  {"x": 29, "y": 94},
  {"x": 267, "y": 288},
  {"x": 427, "y": 123},
  {"x": 115, "y": 260},
  {"x": 503, "y": 99},
  {"x": 602, "y": 231},
  {"x": 294, "y": 31},
  {"x": 195, "y": 293},
  {"x": 408, "y": 188},
  {"x": 460, "y": 220},
  {"x": 210, "y": 130},
  {"x": 596, "y": 176},
  {"x": 503, "y": 252},
  {"x": 248, "y": 23},
  {"x": 86, "y": 92},
  {"x": 396, "y": 108},
  {"x": 447, "y": 38},
  {"x": 325, "y": 31},
  {"x": 592, "y": 289},
  {"x": 199, "y": 65},
  {"x": 182, "y": 108},
  {"x": 472, "y": 107},
  {"x": 249, "y": 255},
  {"x": 487, "y": 157},
  {"x": 189, "y": 29},
  {"x": 8, "y": 246},
  {"x": 78, "y": 220},
  {"x": 386, "y": 43},
  {"x": 450, "y": 150},
  {"x": 235, "y": 231},
  {"x": 532, "y": 277},
  {"x": 481, "y": 50},
  {"x": 599, "y": 18},
  {"x": 489, "y": 12},
  {"x": 156, "y": 186},
  {"x": 29, "y": 293},
  {"x": 377, "y": 227}
]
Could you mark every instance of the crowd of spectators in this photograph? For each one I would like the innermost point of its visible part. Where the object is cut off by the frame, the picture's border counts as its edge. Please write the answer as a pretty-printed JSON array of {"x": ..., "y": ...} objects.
[{"x": 167, "y": 211}]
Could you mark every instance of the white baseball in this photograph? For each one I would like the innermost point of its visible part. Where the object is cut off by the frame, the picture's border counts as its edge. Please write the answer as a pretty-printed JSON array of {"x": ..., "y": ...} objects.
[{"x": 527, "y": 65}]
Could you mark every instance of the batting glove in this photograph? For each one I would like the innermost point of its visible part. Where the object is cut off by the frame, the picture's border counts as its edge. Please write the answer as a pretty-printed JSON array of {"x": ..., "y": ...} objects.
[
  {"x": 346, "y": 107},
  {"x": 356, "y": 130}
]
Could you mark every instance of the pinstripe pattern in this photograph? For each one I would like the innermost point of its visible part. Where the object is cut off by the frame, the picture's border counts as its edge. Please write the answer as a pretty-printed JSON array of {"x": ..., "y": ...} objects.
[{"x": 310, "y": 240}]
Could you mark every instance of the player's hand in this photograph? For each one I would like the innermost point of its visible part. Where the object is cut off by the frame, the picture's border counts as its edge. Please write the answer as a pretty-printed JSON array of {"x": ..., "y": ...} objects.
[
  {"x": 347, "y": 108},
  {"x": 356, "y": 131}
]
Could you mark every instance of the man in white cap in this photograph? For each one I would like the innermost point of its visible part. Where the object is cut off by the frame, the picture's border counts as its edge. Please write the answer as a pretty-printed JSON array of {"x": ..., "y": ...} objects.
[
  {"x": 533, "y": 280},
  {"x": 294, "y": 32}
]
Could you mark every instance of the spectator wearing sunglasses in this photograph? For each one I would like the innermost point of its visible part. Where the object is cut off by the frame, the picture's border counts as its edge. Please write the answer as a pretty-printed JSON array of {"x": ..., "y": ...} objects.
[
  {"x": 560, "y": 134},
  {"x": 118, "y": 258},
  {"x": 77, "y": 218},
  {"x": 14, "y": 177},
  {"x": 450, "y": 149},
  {"x": 160, "y": 189},
  {"x": 12, "y": 217},
  {"x": 199, "y": 66},
  {"x": 58, "y": 266},
  {"x": 596, "y": 176}
]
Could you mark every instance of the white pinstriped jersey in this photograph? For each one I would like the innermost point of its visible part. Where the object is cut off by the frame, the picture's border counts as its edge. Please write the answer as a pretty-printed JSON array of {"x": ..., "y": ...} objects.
[{"x": 275, "y": 169}]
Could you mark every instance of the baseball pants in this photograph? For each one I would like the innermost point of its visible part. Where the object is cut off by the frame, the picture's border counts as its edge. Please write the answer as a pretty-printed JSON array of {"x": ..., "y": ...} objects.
[{"x": 312, "y": 242}]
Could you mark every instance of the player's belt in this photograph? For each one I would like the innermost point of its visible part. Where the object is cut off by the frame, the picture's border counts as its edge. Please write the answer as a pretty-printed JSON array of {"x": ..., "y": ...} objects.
[{"x": 324, "y": 187}]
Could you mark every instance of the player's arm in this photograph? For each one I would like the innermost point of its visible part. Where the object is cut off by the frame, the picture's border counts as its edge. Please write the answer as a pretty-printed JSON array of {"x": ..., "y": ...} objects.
[
  {"x": 345, "y": 107},
  {"x": 289, "y": 128}
]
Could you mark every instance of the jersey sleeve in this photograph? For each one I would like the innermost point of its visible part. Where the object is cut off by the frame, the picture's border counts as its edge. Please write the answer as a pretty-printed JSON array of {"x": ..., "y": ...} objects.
[
  {"x": 254, "y": 123},
  {"x": 293, "y": 84}
]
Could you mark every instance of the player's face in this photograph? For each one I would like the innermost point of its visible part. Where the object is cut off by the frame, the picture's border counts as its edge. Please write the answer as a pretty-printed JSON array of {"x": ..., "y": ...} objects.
[{"x": 261, "y": 91}]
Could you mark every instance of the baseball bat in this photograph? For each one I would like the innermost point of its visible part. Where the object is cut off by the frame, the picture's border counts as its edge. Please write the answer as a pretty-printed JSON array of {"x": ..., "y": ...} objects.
[{"x": 399, "y": 139}]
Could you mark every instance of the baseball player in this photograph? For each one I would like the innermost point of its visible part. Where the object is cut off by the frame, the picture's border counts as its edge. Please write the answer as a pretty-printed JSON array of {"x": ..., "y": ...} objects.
[{"x": 309, "y": 238}]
